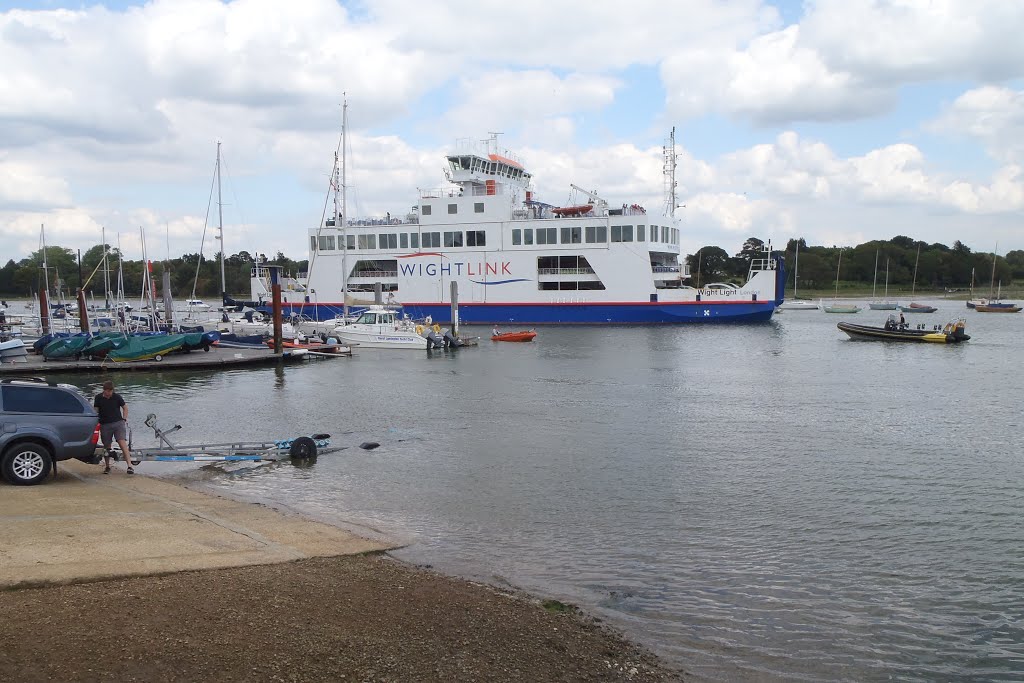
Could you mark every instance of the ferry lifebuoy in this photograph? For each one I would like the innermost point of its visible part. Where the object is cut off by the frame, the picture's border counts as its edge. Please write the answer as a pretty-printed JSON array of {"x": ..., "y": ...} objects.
[
  {"x": 419, "y": 330},
  {"x": 437, "y": 328}
]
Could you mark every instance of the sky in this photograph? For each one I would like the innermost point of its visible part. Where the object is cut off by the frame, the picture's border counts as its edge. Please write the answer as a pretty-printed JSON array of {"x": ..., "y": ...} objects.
[{"x": 838, "y": 121}]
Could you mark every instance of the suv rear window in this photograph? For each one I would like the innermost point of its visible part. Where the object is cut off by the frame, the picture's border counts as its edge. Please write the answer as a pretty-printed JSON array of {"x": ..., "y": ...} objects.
[{"x": 19, "y": 399}]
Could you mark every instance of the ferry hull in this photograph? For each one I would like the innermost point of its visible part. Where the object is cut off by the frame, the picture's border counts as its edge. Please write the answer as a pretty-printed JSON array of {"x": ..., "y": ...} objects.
[{"x": 597, "y": 313}]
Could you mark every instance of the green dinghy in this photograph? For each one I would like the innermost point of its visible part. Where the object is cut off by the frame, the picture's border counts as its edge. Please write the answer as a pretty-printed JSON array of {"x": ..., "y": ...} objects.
[
  {"x": 153, "y": 347},
  {"x": 66, "y": 347}
]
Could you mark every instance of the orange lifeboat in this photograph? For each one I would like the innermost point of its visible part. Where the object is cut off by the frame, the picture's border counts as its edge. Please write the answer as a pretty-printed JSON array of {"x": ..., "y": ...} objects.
[
  {"x": 523, "y": 336},
  {"x": 568, "y": 211}
]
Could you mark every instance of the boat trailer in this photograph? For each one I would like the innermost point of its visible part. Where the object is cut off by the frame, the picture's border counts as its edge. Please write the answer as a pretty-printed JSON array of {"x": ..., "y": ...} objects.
[{"x": 296, "y": 448}]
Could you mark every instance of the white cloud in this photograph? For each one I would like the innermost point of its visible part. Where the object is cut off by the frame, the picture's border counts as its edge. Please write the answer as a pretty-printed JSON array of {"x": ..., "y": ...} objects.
[{"x": 992, "y": 115}]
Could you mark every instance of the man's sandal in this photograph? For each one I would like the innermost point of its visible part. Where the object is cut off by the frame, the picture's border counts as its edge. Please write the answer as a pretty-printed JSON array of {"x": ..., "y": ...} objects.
[{"x": 131, "y": 471}]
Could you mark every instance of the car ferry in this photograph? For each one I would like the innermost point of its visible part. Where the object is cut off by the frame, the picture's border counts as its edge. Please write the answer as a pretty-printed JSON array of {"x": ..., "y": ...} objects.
[{"x": 514, "y": 258}]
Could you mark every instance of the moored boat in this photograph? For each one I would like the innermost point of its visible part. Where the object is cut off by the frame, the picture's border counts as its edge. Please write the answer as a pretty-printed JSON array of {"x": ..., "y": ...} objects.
[
  {"x": 1000, "y": 308},
  {"x": 951, "y": 333},
  {"x": 148, "y": 347},
  {"x": 380, "y": 327},
  {"x": 13, "y": 351},
  {"x": 521, "y": 336},
  {"x": 67, "y": 347},
  {"x": 918, "y": 308}
]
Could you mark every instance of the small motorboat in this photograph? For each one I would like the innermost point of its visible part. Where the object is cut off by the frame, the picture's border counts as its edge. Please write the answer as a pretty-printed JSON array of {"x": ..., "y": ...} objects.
[
  {"x": 997, "y": 308},
  {"x": 918, "y": 308},
  {"x": 951, "y": 333},
  {"x": 521, "y": 336}
]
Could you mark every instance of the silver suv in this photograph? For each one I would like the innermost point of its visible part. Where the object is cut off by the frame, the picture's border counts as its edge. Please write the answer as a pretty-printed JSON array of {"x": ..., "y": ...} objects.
[{"x": 42, "y": 423}]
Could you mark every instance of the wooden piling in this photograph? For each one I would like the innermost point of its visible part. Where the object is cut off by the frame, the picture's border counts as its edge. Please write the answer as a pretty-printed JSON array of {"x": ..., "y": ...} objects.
[
  {"x": 83, "y": 311},
  {"x": 44, "y": 312}
]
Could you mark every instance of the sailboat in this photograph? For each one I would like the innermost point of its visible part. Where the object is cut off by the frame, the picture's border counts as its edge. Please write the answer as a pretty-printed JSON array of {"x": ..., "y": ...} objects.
[
  {"x": 993, "y": 304},
  {"x": 916, "y": 307},
  {"x": 835, "y": 306},
  {"x": 797, "y": 304},
  {"x": 885, "y": 304}
]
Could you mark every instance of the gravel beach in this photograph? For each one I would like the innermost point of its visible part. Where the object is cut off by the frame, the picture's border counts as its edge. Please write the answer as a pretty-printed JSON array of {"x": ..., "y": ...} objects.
[{"x": 355, "y": 618}]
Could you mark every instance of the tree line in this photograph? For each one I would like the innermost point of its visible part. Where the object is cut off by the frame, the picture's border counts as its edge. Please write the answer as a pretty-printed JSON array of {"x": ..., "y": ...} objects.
[
  {"x": 65, "y": 273},
  {"x": 939, "y": 267}
]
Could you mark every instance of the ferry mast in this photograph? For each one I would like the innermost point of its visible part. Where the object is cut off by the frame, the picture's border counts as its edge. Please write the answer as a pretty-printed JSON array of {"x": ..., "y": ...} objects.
[{"x": 668, "y": 153}]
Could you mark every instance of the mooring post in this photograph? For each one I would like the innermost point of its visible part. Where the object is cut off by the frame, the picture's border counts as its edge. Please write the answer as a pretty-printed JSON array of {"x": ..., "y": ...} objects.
[
  {"x": 44, "y": 313},
  {"x": 275, "y": 290},
  {"x": 83, "y": 313},
  {"x": 455, "y": 308}
]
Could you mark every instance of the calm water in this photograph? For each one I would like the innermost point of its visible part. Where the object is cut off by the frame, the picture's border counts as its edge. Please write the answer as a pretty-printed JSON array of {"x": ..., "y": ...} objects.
[{"x": 754, "y": 503}]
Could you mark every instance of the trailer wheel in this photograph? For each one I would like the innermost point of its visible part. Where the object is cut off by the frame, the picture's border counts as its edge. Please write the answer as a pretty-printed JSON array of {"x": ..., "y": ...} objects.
[
  {"x": 206, "y": 348},
  {"x": 302, "y": 448},
  {"x": 158, "y": 357}
]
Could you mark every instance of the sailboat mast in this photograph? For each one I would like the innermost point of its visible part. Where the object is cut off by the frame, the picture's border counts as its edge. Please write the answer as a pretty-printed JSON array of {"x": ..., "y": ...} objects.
[
  {"x": 838, "y": 268},
  {"x": 344, "y": 208},
  {"x": 796, "y": 268},
  {"x": 992, "y": 282},
  {"x": 913, "y": 285},
  {"x": 220, "y": 225},
  {"x": 874, "y": 282},
  {"x": 46, "y": 268},
  {"x": 106, "y": 269}
]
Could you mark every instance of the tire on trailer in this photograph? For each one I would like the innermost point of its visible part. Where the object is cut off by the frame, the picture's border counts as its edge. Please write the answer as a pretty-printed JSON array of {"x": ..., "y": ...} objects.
[
  {"x": 206, "y": 347},
  {"x": 158, "y": 357},
  {"x": 25, "y": 464},
  {"x": 302, "y": 448}
]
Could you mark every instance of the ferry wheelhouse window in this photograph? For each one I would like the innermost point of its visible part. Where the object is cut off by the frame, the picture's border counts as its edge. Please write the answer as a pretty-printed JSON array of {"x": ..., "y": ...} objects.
[
  {"x": 350, "y": 241},
  {"x": 425, "y": 210},
  {"x": 431, "y": 240},
  {"x": 528, "y": 236},
  {"x": 517, "y": 236},
  {"x": 640, "y": 233},
  {"x": 571, "y": 235},
  {"x": 620, "y": 232},
  {"x": 403, "y": 240},
  {"x": 476, "y": 238},
  {"x": 453, "y": 239},
  {"x": 312, "y": 242},
  {"x": 478, "y": 207},
  {"x": 414, "y": 240},
  {"x": 388, "y": 240},
  {"x": 547, "y": 235},
  {"x": 453, "y": 208},
  {"x": 597, "y": 234},
  {"x": 654, "y": 233},
  {"x": 367, "y": 241},
  {"x": 326, "y": 243}
]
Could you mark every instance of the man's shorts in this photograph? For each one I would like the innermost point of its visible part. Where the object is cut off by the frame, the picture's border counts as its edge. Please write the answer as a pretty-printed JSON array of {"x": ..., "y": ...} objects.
[{"x": 113, "y": 431}]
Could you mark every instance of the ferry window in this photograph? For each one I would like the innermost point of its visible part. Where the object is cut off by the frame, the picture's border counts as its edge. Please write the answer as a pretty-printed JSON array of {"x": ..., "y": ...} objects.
[
  {"x": 591, "y": 234},
  {"x": 602, "y": 234},
  {"x": 350, "y": 241},
  {"x": 362, "y": 241},
  {"x": 475, "y": 238},
  {"x": 627, "y": 233},
  {"x": 371, "y": 241},
  {"x": 547, "y": 235},
  {"x": 323, "y": 243},
  {"x": 330, "y": 243},
  {"x": 654, "y": 233},
  {"x": 478, "y": 207},
  {"x": 453, "y": 239},
  {"x": 571, "y": 235},
  {"x": 640, "y": 233},
  {"x": 675, "y": 236},
  {"x": 453, "y": 208},
  {"x": 414, "y": 240},
  {"x": 616, "y": 233},
  {"x": 403, "y": 240},
  {"x": 664, "y": 234},
  {"x": 393, "y": 240},
  {"x": 528, "y": 236},
  {"x": 425, "y": 210},
  {"x": 431, "y": 240},
  {"x": 517, "y": 236},
  {"x": 312, "y": 242}
]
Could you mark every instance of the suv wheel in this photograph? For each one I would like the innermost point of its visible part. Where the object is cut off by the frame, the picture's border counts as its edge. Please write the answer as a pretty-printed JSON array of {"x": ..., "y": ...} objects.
[{"x": 26, "y": 464}]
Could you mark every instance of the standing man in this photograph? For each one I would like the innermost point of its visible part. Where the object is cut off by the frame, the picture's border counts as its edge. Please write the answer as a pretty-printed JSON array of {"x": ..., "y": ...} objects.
[{"x": 113, "y": 412}]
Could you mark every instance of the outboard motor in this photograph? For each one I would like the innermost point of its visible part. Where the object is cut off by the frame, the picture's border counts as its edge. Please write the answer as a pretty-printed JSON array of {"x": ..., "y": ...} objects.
[
  {"x": 433, "y": 341},
  {"x": 450, "y": 341}
]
